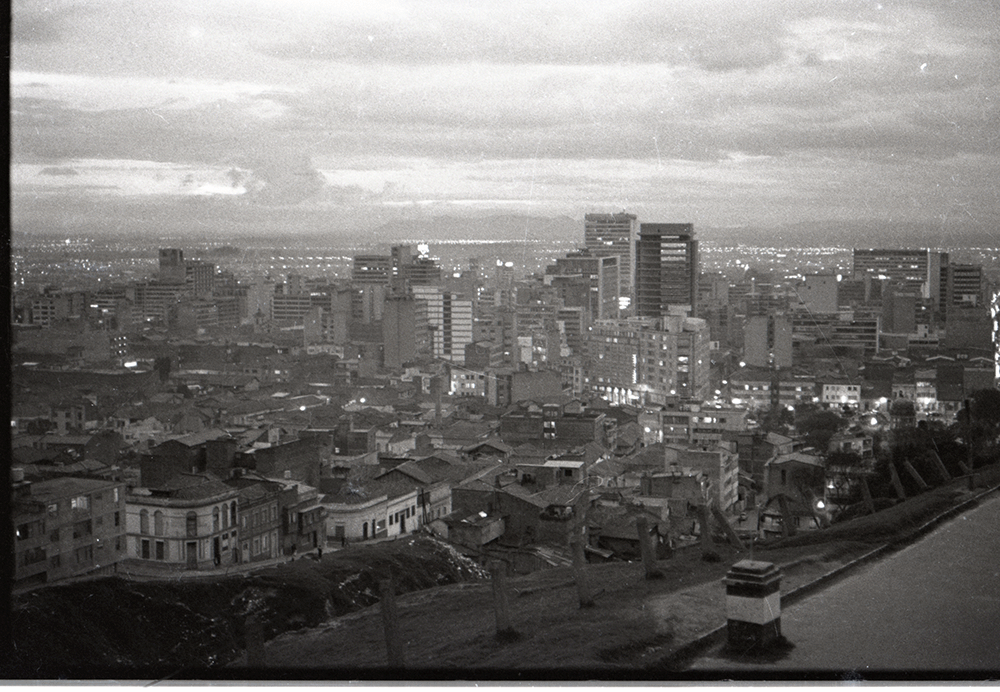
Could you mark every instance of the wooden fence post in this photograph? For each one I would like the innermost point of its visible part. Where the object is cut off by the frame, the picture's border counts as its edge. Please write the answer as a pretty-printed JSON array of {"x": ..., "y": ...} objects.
[
  {"x": 580, "y": 571},
  {"x": 896, "y": 483},
  {"x": 731, "y": 534},
  {"x": 916, "y": 476},
  {"x": 866, "y": 495},
  {"x": 940, "y": 466},
  {"x": 390, "y": 621},
  {"x": 501, "y": 601},
  {"x": 787, "y": 525},
  {"x": 255, "y": 641},
  {"x": 646, "y": 549}
]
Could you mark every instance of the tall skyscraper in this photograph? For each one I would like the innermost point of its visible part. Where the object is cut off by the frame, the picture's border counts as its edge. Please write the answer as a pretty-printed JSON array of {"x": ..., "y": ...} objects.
[
  {"x": 922, "y": 269},
  {"x": 172, "y": 267},
  {"x": 666, "y": 269},
  {"x": 605, "y": 235},
  {"x": 399, "y": 330},
  {"x": 600, "y": 277},
  {"x": 449, "y": 321}
]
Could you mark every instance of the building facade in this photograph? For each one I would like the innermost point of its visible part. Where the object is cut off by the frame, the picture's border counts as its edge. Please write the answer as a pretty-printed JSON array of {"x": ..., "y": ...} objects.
[
  {"x": 607, "y": 235},
  {"x": 67, "y": 527},
  {"x": 666, "y": 269}
]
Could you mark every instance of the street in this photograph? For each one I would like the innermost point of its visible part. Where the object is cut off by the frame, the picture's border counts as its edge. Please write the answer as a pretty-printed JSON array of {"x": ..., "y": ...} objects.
[{"x": 933, "y": 606}]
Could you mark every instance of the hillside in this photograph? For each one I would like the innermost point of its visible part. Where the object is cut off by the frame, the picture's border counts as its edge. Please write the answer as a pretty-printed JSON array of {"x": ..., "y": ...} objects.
[
  {"x": 184, "y": 627},
  {"x": 322, "y": 619}
]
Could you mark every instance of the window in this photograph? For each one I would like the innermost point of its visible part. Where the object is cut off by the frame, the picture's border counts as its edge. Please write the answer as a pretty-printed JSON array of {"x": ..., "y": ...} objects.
[
  {"x": 118, "y": 519},
  {"x": 115, "y": 491},
  {"x": 145, "y": 549},
  {"x": 81, "y": 502},
  {"x": 82, "y": 528},
  {"x": 54, "y": 561},
  {"x": 191, "y": 521},
  {"x": 158, "y": 523},
  {"x": 85, "y": 554},
  {"x": 215, "y": 519},
  {"x": 34, "y": 555},
  {"x": 225, "y": 517},
  {"x": 232, "y": 514},
  {"x": 390, "y": 519},
  {"x": 54, "y": 536},
  {"x": 144, "y": 521},
  {"x": 161, "y": 551},
  {"x": 53, "y": 509}
]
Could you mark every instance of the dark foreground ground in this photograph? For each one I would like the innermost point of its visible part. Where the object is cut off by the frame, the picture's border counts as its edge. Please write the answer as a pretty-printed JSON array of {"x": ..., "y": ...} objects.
[{"x": 321, "y": 620}]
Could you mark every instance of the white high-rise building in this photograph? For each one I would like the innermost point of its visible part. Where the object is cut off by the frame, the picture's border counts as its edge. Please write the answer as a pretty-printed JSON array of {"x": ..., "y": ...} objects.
[{"x": 449, "y": 321}]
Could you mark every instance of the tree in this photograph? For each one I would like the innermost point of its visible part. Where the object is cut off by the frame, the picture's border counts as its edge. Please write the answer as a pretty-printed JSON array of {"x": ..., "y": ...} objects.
[
  {"x": 777, "y": 420},
  {"x": 982, "y": 432},
  {"x": 985, "y": 407},
  {"x": 818, "y": 427},
  {"x": 841, "y": 459}
]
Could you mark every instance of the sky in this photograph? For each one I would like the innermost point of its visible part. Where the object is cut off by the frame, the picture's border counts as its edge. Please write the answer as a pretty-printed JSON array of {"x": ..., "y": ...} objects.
[{"x": 723, "y": 113}]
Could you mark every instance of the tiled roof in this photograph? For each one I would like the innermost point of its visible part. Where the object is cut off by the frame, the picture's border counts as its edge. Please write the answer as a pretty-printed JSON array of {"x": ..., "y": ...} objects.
[{"x": 43, "y": 491}]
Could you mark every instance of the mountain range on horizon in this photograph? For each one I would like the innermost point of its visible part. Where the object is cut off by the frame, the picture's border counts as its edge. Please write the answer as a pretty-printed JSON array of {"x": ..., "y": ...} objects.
[{"x": 205, "y": 220}]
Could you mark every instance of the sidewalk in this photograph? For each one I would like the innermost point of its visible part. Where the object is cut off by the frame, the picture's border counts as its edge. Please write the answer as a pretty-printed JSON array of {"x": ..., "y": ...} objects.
[
  {"x": 698, "y": 615},
  {"x": 144, "y": 570}
]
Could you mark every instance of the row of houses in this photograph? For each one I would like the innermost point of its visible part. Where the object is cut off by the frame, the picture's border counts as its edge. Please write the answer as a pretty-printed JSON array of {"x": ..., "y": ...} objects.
[{"x": 937, "y": 386}]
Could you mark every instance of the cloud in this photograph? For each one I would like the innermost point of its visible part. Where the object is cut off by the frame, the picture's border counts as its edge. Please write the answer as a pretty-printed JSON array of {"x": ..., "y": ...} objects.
[
  {"x": 47, "y": 25},
  {"x": 276, "y": 90}
]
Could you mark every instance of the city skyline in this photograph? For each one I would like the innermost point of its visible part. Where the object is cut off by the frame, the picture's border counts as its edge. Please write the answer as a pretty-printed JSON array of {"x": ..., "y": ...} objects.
[{"x": 821, "y": 112}]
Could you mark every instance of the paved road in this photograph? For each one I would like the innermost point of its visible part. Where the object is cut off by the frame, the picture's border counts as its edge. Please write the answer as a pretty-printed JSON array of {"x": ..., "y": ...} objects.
[{"x": 933, "y": 606}]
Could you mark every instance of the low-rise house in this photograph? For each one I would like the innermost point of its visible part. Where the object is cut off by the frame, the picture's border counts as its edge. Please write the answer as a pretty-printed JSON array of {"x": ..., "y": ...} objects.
[
  {"x": 366, "y": 507},
  {"x": 303, "y": 518},
  {"x": 74, "y": 417},
  {"x": 615, "y": 529},
  {"x": 719, "y": 464},
  {"x": 691, "y": 424},
  {"x": 859, "y": 443},
  {"x": 459, "y": 434},
  {"x": 564, "y": 422},
  {"x": 798, "y": 481},
  {"x": 67, "y": 527},
  {"x": 520, "y": 509},
  {"x": 296, "y": 459},
  {"x": 396, "y": 441},
  {"x": 469, "y": 529},
  {"x": 186, "y": 454},
  {"x": 260, "y": 520},
  {"x": 189, "y": 522}
]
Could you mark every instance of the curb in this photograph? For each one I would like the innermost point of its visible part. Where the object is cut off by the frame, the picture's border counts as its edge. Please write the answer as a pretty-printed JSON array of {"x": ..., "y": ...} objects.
[{"x": 675, "y": 660}]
